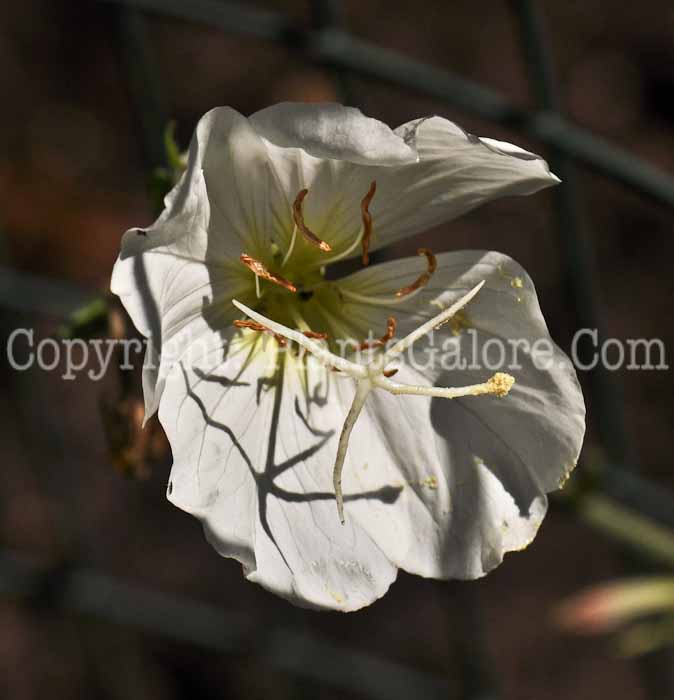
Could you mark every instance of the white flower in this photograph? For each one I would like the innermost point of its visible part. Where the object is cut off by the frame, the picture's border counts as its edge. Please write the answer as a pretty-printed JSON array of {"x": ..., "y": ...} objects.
[{"x": 440, "y": 488}]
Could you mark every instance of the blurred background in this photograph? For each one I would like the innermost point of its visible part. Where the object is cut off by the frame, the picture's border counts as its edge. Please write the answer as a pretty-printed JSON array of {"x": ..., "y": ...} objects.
[{"x": 106, "y": 590}]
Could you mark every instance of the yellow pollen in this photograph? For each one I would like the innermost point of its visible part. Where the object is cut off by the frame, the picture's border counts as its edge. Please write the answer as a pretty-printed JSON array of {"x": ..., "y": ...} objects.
[
  {"x": 260, "y": 270},
  {"x": 458, "y": 323},
  {"x": 367, "y": 222},
  {"x": 516, "y": 282},
  {"x": 336, "y": 597},
  {"x": 500, "y": 384},
  {"x": 424, "y": 277},
  {"x": 298, "y": 217},
  {"x": 430, "y": 482}
]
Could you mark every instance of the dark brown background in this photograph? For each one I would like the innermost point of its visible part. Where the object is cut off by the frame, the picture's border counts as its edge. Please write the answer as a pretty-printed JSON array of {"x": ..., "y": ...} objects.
[{"x": 72, "y": 179}]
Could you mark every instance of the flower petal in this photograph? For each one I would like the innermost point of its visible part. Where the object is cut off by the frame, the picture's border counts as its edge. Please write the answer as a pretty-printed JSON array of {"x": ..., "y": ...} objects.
[
  {"x": 334, "y": 131},
  {"x": 503, "y": 454},
  {"x": 458, "y": 514},
  {"x": 248, "y": 205},
  {"x": 456, "y": 172},
  {"x": 180, "y": 305},
  {"x": 162, "y": 281},
  {"x": 253, "y": 452},
  {"x": 176, "y": 277}
]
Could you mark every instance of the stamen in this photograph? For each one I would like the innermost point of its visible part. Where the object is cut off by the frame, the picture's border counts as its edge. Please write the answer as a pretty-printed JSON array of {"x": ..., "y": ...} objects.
[
  {"x": 402, "y": 295},
  {"x": 316, "y": 335},
  {"x": 254, "y": 326},
  {"x": 258, "y": 287},
  {"x": 381, "y": 342},
  {"x": 366, "y": 228},
  {"x": 291, "y": 247},
  {"x": 298, "y": 217},
  {"x": 376, "y": 301},
  {"x": 424, "y": 278},
  {"x": 367, "y": 222},
  {"x": 391, "y": 325},
  {"x": 261, "y": 271},
  {"x": 304, "y": 327},
  {"x": 312, "y": 334}
]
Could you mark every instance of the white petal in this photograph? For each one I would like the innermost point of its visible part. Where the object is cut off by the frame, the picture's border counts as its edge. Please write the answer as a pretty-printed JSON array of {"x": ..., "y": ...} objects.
[
  {"x": 180, "y": 304},
  {"x": 177, "y": 277},
  {"x": 175, "y": 298},
  {"x": 183, "y": 308},
  {"x": 456, "y": 516},
  {"x": 456, "y": 172},
  {"x": 498, "y": 456},
  {"x": 332, "y": 206},
  {"x": 247, "y": 203},
  {"x": 334, "y": 131},
  {"x": 253, "y": 457}
]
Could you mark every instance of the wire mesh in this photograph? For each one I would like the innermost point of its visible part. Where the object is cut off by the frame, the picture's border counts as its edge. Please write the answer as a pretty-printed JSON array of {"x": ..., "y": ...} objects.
[{"x": 325, "y": 41}]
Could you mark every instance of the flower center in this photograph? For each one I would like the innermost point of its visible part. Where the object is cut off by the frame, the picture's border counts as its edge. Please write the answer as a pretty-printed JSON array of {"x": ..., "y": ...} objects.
[{"x": 292, "y": 288}]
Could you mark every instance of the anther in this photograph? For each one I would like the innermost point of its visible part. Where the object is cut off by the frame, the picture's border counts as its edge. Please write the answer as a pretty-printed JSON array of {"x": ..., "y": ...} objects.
[
  {"x": 367, "y": 222},
  {"x": 298, "y": 217},
  {"x": 363, "y": 237},
  {"x": 261, "y": 271},
  {"x": 251, "y": 325},
  {"x": 424, "y": 277},
  {"x": 254, "y": 326},
  {"x": 316, "y": 335},
  {"x": 313, "y": 335},
  {"x": 381, "y": 342}
]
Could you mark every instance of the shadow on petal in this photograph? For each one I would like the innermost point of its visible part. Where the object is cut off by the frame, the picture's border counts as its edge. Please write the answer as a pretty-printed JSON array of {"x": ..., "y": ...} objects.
[
  {"x": 265, "y": 476},
  {"x": 497, "y": 502}
]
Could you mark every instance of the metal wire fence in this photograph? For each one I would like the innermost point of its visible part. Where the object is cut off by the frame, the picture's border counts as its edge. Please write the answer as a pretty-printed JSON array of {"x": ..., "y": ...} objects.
[{"x": 628, "y": 507}]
